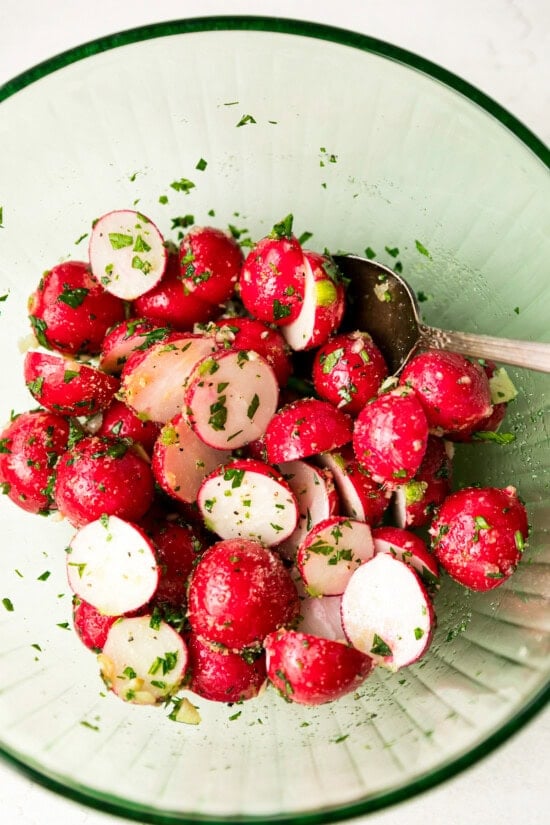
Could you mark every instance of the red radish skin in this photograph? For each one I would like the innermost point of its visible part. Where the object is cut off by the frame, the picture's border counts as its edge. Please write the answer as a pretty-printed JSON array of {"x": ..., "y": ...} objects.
[
  {"x": 143, "y": 662},
  {"x": 230, "y": 398},
  {"x": 154, "y": 380},
  {"x": 387, "y": 613},
  {"x": 479, "y": 535},
  {"x": 127, "y": 253},
  {"x": 416, "y": 501},
  {"x": 304, "y": 428},
  {"x": 239, "y": 592},
  {"x": 390, "y": 437},
  {"x": 70, "y": 311},
  {"x": 331, "y": 552},
  {"x": 453, "y": 391},
  {"x": 210, "y": 264},
  {"x": 30, "y": 447},
  {"x": 272, "y": 280},
  {"x": 122, "y": 340},
  {"x": 360, "y": 497},
  {"x": 91, "y": 626},
  {"x": 112, "y": 550},
  {"x": 67, "y": 387},
  {"x": 119, "y": 421},
  {"x": 248, "y": 499},
  {"x": 222, "y": 676},
  {"x": 310, "y": 670},
  {"x": 171, "y": 304},
  {"x": 181, "y": 460},
  {"x": 251, "y": 334},
  {"x": 95, "y": 476},
  {"x": 409, "y": 548},
  {"x": 321, "y": 616},
  {"x": 177, "y": 550},
  {"x": 349, "y": 370},
  {"x": 315, "y": 496},
  {"x": 493, "y": 421}
]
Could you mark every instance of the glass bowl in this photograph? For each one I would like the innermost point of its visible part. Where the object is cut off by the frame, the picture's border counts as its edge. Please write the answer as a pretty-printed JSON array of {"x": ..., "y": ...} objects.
[{"x": 368, "y": 146}]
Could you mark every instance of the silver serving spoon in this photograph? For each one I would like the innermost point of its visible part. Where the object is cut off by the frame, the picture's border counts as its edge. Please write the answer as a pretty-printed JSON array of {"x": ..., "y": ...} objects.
[{"x": 383, "y": 304}]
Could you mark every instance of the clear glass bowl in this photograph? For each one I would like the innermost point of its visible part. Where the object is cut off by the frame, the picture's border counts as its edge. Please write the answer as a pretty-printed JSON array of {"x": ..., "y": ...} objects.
[{"x": 418, "y": 155}]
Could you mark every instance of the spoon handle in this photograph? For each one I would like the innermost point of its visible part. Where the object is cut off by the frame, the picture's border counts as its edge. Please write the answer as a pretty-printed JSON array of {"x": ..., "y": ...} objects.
[{"x": 529, "y": 354}]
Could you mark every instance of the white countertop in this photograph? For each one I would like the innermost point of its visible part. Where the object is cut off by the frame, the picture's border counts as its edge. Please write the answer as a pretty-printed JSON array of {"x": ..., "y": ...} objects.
[{"x": 502, "y": 47}]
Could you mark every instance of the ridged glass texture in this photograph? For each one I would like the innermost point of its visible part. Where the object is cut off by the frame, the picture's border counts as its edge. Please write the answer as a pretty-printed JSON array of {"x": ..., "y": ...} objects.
[{"x": 415, "y": 159}]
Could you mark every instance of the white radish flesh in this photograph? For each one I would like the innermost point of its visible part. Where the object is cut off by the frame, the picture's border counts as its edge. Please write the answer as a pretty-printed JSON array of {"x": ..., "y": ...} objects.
[
  {"x": 331, "y": 552},
  {"x": 112, "y": 566},
  {"x": 386, "y": 612},
  {"x": 127, "y": 253},
  {"x": 412, "y": 553},
  {"x": 321, "y": 616},
  {"x": 143, "y": 661},
  {"x": 240, "y": 503},
  {"x": 316, "y": 497},
  {"x": 230, "y": 399}
]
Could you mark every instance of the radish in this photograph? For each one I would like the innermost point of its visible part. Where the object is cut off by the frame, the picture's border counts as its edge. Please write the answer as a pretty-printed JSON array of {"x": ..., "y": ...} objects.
[
  {"x": 479, "y": 535},
  {"x": 310, "y": 670},
  {"x": 230, "y": 398},
  {"x": 390, "y": 436},
  {"x": 349, "y": 370},
  {"x": 128, "y": 337},
  {"x": 239, "y": 592},
  {"x": 70, "y": 311},
  {"x": 502, "y": 392},
  {"x": 454, "y": 392},
  {"x": 178, "y": 547},
  {"x": 120, "y": 421},
  {"x": 91, "y": 626},
  {"x": 322, "y": 616},
  {"x": 65, "y": 386},
  {"x": 153, "y": 380},
  {"x": 107, "y": 552},
  {"x": 304, "y": 428},
  {"x": 127, "y": 253},
  {"x": 210, "y": 264},
  {"x": 331, "y": 552},
  {"x": 387, "y": 613},
  {"x": 143, "y": 662},
  {"x": 360, "y": 497},
  {"x": 181, "y": 460},
  {"x": 102, "y": 475},
  {"x": 416, "y": 501},
  {"x": 223, "y": 676},
  {"x": 315, "y": 496},
  {"x": 407, "y": 547},
  {"x": 323, "y": 305},
  {"x": 248, "y": 499}
]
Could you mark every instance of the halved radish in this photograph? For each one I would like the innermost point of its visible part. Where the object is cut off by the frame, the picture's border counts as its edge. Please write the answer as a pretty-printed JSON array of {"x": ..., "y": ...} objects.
[
  {"x": 143, "y": 661},
  {"x": 127, "y": 253},
  {"x": 360, "y": 496},
  {"x": 181, "y": 460},
  {"x": 315, "y": 496},
  {"x": 91, "y": 626},
  {"x": 322, "y": 309},
  {"x": 304, "y": 428},
  {"x": 120, "y": 421},
  {"x": 65, "y": 386},
  {"x": 221, "y": 675},
  {"x": 407, "y": 547},
  {"x": 230, "y": 398},
  {"x": 153, "y": 381},
  {"x": 210, "y": 263},
  {"x": 331, "y": 552},
  {"x": 111, "y": 564},
  {"x": 322, "y": 616},
  {"x": 387, "y": 613},
  {"x": 126, "y": 338},
  {"x": 248, "y": 499},
  {"x": 416, "y": 501},
  {"x": 310, "y": 670}
]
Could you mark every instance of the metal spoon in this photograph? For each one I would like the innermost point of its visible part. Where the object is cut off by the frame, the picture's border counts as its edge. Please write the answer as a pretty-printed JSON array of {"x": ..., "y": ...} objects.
[{"x": 383, "y": 304}]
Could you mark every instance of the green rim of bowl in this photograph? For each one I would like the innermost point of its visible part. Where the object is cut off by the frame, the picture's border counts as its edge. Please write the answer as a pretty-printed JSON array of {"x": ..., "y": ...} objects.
[{"x": 123, "y": 807}]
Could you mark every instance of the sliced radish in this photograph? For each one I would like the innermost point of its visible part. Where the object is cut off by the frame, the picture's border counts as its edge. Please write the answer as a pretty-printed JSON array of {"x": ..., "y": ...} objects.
[
  {"x": 248, "y": 499},
  {"x": 416, "y": 501},
  {"x": 230, "y": 398},
  {"x": 311, "y": 671},
  {"x": 91, "y": 626},
  {"x": 360, "y": 496},
  {"x": 315, "y": 496},
  {"x": 331, "y": 552},
  {"x": 111, "y": 565},
  {"x": 304, "y": 428},
  {"x": 387, "y": 613},
  {"x": 249, "y": 333},
  {"x": 143, "y": 661},
  {"x": 153, "y": 381},
  {"x": 323, "y": 305},
  {"x": 65, "y": 386},
  {"x": 322, "y": 616},
  {"x": 127, "y": 253},
  {"x": 181, "y": 460},
  {"x": 407, "y": 547},
  {"x": 126, "y": 338}
]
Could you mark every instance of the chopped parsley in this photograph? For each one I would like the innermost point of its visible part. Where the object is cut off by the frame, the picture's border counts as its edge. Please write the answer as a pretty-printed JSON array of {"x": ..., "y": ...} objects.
[
  {"x": 282, "y": 229},
  {"x": 496, "y": 438},
  {"x": 392, "y": 250},
  {"x": 233, "y": 475},
  {"x": 183, "y": 221},
  {"x": 329, "y": 361},
  {"x": 201, "y": 165},
  {"x": 280, "y": 310},
  {"x": 73, "y": 297},
  {"x": 39, "y": 327},
  {"x": 8, "y": 604},
  {"x": 422, "y": 249},
  {"x": 118, "y": 240},
  {"x": 44, "y": 576},
  {"x": 218, "y": 413},
  {"x": 253, "y": 406},
  {"x": 370, "y": 253},
  {"x": 182, "y": 185},
  {"x": 245, "y": 120},
  {"x": 379, "y": 646}
]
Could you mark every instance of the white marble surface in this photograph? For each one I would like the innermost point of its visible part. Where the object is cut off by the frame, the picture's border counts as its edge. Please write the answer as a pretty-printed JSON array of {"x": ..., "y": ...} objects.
[{"x": 501, "y": 46}]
